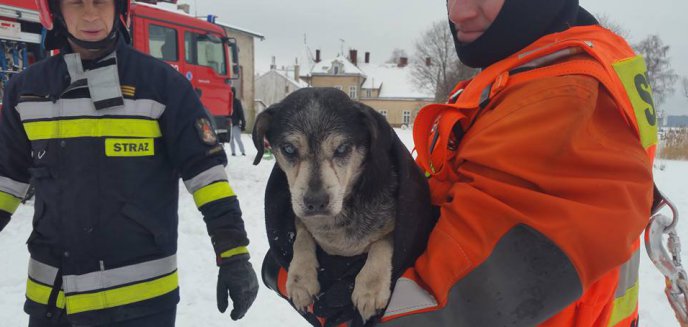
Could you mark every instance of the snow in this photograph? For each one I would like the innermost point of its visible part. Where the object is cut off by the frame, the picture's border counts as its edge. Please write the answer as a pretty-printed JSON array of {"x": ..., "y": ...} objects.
[
  {"x": 197, "y": 268},
  {"x": 395, "y": 82},
  {"x": 347, "y": 67}
]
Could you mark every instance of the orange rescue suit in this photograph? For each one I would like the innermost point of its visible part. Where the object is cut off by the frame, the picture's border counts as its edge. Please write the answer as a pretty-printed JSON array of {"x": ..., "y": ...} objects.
[{"x": 555, "y": 144}]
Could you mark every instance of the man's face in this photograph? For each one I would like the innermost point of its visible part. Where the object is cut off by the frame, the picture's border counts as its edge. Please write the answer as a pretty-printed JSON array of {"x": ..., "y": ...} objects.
[
  {"x": 89, "y": 20},
  {"x": 472, "y": 17}
]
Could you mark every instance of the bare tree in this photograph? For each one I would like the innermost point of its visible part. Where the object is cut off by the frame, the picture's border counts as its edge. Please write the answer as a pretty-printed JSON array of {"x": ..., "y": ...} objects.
[
  {"x": 396, "y": 54},
  {"x": 659, "y": 73},
  {"x": 613, "y": 26},
  {"x": 436, "y": 67},
  {"x": 684, "y": 81}
]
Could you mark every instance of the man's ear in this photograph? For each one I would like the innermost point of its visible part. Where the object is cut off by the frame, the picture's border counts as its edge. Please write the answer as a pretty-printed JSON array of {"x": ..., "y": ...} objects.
[
  {"x": 378, "y": 165},
  {"x": 260, "y": 128}
]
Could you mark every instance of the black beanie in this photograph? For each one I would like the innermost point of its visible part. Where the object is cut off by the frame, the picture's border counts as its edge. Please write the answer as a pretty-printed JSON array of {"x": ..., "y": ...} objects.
[{"x": 518, "y": 24}]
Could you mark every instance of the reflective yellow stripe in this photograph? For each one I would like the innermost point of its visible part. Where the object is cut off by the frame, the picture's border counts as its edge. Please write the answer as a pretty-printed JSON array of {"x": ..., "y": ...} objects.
[
  {"x": 624, "y": 306},
  {"x": 633, "y": 75},
  {"x": 212, "y": 192},
  {"x": 8, "y": 202},
  {"x": 40, "y": 294},
  {"x": 234, "y": 251},
  {"x": 123, "y": 295},
  {"x": 87, "y": 127}
]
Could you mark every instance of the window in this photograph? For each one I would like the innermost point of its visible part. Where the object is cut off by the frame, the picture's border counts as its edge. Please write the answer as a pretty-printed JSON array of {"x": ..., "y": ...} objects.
[
  {"x": 162, "y": 43},
  {"x": 353, "y": 92},
  {"x": 205, "y": 50},
  {"x": 286, "y": 89},
  {"x": 338, "y": 87},
  {"x": 384, "y": 113},
  {"x": 369, "y": 93},
  {"x": 336, "y": 70},
  {"x": 406, "y": 117}
]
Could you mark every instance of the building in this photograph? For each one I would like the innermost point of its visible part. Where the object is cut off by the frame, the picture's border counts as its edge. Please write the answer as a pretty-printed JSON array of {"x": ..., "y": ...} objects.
[
  {"x": 245, "y": 84},
  {"x": 388, "y": 88},
  {"x": 276, "y": 84}
]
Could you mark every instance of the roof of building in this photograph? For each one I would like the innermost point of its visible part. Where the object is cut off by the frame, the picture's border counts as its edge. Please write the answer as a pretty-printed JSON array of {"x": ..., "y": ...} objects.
[
  {"x": 285, "y": 75},
  {"x": 242, "y": 30},
  {"x": 324, "y": 67},
  {"x": 393, "y": 81}
]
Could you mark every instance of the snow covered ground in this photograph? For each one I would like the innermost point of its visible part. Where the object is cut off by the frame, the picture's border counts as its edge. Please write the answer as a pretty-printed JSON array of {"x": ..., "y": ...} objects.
[{"x": 198, "y": 272}]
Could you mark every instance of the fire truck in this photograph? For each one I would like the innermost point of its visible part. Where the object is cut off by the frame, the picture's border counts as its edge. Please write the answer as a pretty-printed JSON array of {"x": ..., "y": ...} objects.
[{"x": 198, "y": 49}]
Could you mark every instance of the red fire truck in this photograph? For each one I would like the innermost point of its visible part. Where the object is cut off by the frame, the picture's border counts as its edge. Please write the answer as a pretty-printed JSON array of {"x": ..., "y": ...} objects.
[{"x": 198, "y": 49}]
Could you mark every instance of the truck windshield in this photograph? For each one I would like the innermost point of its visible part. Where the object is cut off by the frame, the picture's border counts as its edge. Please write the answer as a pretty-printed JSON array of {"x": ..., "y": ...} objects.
[{"x": 206, "y": 50}]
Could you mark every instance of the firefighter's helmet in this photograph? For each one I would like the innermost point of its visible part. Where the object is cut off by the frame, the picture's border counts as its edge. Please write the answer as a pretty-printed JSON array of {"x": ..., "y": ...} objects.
[{"x": 48, "y": 10}]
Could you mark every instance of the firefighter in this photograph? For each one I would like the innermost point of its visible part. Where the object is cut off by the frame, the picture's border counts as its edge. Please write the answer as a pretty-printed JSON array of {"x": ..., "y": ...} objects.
[
  {"x": 105, "y": 132},
  {"x": 541, "y": 167}
]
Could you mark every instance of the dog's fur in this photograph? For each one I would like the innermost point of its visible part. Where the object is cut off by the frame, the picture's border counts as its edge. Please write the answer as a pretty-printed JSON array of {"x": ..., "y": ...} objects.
[{"x": 342, "y": 186}]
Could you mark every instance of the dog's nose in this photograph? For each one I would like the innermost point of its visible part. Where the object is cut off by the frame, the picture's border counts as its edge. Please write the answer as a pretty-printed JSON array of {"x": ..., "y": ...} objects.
[{"x": 316, "y": 202}]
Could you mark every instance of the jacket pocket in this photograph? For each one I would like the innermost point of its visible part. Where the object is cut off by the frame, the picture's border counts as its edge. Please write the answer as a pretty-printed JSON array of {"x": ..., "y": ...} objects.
[{"x": 145, "y": 221}]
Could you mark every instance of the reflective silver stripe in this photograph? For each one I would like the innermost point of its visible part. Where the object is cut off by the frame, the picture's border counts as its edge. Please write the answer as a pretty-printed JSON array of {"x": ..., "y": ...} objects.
[
  {"x": 74, "y": 67},
  {"x": 628, "y": 274},
  {"x": 84, "y": 107},
  {"x": 13, "y": 187},
  {"x": 205, "y": 178},
  {"x": 42, "y": 272},
  {"x": 408, "y": 297},
  {"x": 119, "y": 276}
]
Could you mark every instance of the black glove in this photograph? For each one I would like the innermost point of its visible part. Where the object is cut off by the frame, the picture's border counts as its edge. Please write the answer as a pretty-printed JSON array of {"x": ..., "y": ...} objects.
[
  {"x": 243, "y": 127},
  {"x": 237, "y": 277}
]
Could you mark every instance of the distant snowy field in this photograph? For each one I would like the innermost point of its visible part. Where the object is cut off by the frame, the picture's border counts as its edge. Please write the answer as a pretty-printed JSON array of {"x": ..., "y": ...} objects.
[{"x": 197, "y": 265}]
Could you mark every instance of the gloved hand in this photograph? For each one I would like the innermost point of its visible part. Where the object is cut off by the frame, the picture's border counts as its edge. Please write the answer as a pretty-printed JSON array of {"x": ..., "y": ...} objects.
[
  {"x": 237, "y": 277},
  {"x": 243, "y": 127}
]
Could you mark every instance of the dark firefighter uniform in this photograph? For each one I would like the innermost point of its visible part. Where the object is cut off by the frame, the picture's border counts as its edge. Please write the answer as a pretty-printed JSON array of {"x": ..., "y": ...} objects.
[{"x": 105, "y": 143}]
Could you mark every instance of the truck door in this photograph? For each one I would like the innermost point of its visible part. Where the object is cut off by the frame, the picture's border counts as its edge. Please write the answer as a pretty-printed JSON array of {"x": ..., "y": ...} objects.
[
  {"x": 162, "y": 41},
  {"x": 206, "y": 61}
]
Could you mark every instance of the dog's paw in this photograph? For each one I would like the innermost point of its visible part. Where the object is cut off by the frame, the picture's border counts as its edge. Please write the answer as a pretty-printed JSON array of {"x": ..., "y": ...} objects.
[
  {"x": 371, "y": 294},
  {"x": 302, "y": 287}
]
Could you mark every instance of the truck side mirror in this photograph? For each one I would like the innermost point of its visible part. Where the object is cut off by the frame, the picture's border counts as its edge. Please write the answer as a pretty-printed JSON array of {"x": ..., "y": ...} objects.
[{"x": 234, "y": 48}]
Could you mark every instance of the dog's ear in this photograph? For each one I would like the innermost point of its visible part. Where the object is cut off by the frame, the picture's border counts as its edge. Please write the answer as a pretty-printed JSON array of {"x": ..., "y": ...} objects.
[
  {"x": 378, "y": 127},
  {"x": 260, "y": 128},
  {"x": 379, "y": 164}
]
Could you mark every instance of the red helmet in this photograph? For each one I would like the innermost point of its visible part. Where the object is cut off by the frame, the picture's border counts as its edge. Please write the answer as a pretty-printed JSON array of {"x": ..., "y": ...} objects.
[{"x": 48, "y": 17}]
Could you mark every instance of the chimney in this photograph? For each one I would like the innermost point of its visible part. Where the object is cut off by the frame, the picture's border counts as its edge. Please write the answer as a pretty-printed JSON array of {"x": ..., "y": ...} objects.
[
  {"x": 367, "y": 57},
  {"x": 353, "y": 57},
  {"x": 317, "y": 56},
  {"x": 273, "y": 66},
  {"x": 185, "y": 7},
  {"x": 428, "y": 61},
  {"x": 297, "y": 70},
  {"x": 403, "y": 62}
]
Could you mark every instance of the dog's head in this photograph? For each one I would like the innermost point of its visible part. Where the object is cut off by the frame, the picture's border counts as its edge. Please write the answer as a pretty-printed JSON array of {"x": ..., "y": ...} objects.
[{"x": 327, "y": 145}]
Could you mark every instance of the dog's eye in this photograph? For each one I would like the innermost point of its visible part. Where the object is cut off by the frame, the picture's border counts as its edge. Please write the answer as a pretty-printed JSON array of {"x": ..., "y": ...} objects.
[
  {"x": 342, "y": 150},
  {"x": 288, "y": 150}
]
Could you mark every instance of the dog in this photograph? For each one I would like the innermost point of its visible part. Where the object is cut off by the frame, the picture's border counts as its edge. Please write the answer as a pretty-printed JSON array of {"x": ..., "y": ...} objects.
[{"x": 342, "y": 189}]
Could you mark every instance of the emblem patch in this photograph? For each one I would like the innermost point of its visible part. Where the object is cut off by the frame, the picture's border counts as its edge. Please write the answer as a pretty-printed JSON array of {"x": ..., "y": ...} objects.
[{"x": 205, "y": 131}]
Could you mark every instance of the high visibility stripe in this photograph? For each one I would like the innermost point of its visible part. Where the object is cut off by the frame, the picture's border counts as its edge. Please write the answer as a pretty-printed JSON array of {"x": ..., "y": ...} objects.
[
  {"x": 123, "y": 295},
  {"x": 9, "y": 203},
  {"x": 624, "y": 306},
  {"x": 18, "y": 189},
  {"x": 42, "y": 272},
  {"x": 84, "y": 107},
  {"x": 212, "y": 192},
  {"x": 234, "y": 251},
  {"x": 119, "y": 276},
  {"x": 212, "y": 175},
  {"x": 407, "y": 297},
  {"x": 41, "y": 294},
  {"x": 628, "y": 274},
  {"x": 105, "y": 127},
  {"x": 626, "y": 295},
  {"x": 633, "y": 75}
]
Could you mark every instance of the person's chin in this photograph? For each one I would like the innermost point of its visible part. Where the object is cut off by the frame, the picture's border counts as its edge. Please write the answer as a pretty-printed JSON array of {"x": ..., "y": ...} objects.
[
  {"x": 468, "y": 37},
  {"x": 92, "y": 37}
]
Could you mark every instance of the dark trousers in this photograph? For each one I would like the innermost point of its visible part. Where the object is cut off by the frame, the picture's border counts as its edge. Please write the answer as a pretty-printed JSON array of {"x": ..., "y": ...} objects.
[{"x": 161, "y": 319}]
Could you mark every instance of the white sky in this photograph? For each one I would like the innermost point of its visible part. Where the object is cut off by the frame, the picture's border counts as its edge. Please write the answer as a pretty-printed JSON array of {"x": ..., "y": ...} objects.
[{"x": 379, "y": 26}]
